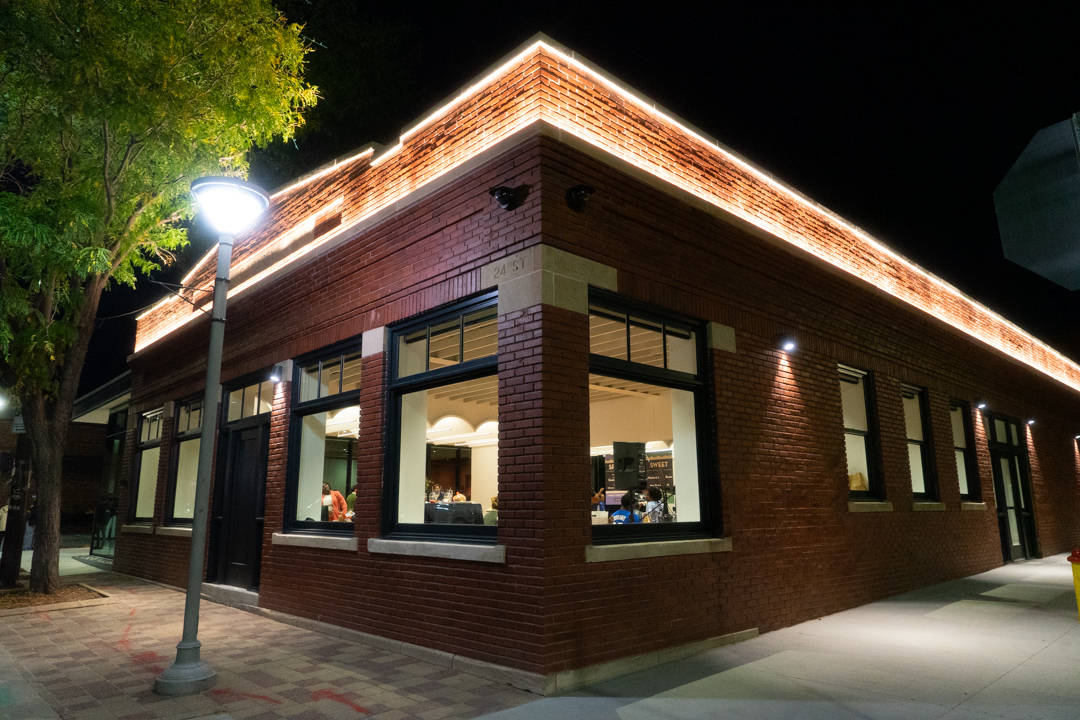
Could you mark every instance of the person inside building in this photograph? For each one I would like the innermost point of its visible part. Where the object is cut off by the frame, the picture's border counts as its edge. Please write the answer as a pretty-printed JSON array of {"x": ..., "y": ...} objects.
[
  {"x": 436, "y": 493},
  {"x": 598, "y": 500},
  {"x": 492, "y": 516},
  {"x": 655, "y": 507},
  {"x": 334, "y": 507},
  {"x": 350, "y": 499},
  {"x": 31, "y": 522},
  {"x": 625, "y": 515}
]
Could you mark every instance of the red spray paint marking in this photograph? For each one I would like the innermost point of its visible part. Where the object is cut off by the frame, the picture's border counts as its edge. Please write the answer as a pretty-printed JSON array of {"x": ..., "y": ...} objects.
[
  {"x": 45, "y": 616},
  {"x": 131, "y": 613},
  {"x": 228, "y": 695},
  {"x": 327, "y": 694},
  {"x": 124, "y": 644},
  {"x": 148, "y": 657}
]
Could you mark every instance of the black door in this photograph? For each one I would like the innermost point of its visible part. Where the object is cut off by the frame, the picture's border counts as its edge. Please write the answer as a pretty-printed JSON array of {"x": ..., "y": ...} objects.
[
  {"x": 237, "y": 518},
  {"x": 1012, "y": 494},
  {"x": 1012, "y": 488}
]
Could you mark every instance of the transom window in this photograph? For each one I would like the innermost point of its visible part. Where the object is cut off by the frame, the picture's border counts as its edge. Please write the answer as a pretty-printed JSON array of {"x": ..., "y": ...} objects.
[
  {"x": 645, "y": 412},
  {"x": 624, "y": 336},
  {"x": 462, "y": 338},
  {"x": 250, "y": 401},
  {"x": 444, "y": 446},
  {"x": 145, "y": 471},
  {"x": 331, "y": 376}
]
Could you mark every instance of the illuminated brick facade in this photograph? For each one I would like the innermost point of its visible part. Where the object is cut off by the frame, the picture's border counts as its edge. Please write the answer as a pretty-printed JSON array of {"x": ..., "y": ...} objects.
[{"x": 683, "y": 225}]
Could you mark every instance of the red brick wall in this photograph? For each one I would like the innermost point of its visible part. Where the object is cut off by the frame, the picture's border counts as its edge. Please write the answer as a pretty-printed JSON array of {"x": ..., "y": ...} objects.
[{"x": 779, "y": 450}]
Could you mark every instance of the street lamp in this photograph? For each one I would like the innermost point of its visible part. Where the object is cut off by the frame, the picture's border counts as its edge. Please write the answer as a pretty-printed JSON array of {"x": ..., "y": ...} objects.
[{"x": 231, "y": 206}]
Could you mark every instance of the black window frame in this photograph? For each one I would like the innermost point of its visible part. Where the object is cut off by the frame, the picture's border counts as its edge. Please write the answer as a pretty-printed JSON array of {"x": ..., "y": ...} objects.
[
  {"x": 178, "y": 438},
  {"x": 142, "y": 446},
  {"x": 971, "y": 465},
  {"x": 871, "y": 437},
  {"x": 931, "y": 492},
  {"x": 342, "y": 351},
  {"x": 699, "y": 384},
  {"x": 397, "y": 387}
]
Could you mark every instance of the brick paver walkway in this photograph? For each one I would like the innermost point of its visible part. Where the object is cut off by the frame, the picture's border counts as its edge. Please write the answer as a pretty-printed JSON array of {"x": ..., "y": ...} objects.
[{"x": 100, "y": 662}]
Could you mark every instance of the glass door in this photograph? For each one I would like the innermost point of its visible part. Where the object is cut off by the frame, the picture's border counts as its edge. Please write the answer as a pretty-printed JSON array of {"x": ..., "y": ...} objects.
[{"x": 1012, "y": 488}]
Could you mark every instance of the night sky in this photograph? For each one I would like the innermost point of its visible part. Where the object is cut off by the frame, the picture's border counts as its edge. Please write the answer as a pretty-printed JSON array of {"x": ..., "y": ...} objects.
[{"x": 902, "y": 118}]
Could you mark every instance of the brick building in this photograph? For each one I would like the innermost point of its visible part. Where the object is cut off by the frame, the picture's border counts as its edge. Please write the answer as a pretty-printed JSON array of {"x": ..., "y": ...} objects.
[
  {"x": 80, "y": 482},
  {"x": 814, "y": 422}
]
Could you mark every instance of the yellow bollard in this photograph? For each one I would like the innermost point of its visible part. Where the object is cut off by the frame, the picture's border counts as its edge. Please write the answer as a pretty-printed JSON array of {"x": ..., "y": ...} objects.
[{"x": 1074, "y": 559}]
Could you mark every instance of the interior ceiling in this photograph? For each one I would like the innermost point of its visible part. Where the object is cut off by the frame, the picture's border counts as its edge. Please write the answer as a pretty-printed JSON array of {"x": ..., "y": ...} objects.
[
  {"x": 483, "y": 391},
  {"x": 602, "y": 388}
]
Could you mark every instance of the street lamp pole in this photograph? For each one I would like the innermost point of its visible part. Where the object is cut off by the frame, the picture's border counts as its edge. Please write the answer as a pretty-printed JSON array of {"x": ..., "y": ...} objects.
[{"x": 232, "y": 205}]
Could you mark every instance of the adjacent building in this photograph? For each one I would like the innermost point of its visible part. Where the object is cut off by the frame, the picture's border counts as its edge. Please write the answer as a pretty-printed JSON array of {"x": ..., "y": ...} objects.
[{"x": 551, "y": 287}]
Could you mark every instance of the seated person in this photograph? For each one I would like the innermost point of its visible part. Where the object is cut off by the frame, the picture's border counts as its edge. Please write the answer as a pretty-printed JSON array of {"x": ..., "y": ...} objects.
[
  {"x": 492, "y": 516},
  {"x": 625, "y": 515},
  {"x": 436, "y": 494}
]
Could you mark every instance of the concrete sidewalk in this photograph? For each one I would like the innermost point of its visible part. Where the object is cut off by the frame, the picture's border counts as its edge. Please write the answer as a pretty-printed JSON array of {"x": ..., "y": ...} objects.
[{"x": 1003, "y": 644}]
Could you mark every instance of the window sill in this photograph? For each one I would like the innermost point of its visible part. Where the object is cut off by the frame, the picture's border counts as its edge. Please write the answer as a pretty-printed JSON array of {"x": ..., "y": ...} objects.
[
  {"x": 177, "y": 531},
  {"x": 138, "y": 529},
  {"x": 972, "y": 505},
  {"x": 322, "y": 542},
  {"x": 863, "y": 506},
  {"x": 636, "y": 551},
  {"x": 446, "y": 551},
  {"x": 928, "y": 506}
]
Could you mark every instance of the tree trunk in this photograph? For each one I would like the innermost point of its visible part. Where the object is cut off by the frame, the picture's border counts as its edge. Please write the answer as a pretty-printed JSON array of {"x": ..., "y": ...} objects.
[
  {"x": 47, "y": 457},
  {"x": 47, "y": 421}
]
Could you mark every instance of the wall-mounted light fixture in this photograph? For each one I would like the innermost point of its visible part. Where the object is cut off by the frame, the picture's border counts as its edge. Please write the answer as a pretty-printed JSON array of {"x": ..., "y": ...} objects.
[
  {"x": 980, "y": 404},
  {"x": 786, "y": 342},
  {"x": 509, "y": 198},
  {"x": 577, "y": 196},
  {"x": 1031, "y": 421},
  {"x": 281, "y": 371}
]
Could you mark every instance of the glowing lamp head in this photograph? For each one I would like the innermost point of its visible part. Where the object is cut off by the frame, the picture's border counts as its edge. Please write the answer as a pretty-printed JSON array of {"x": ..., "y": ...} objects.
[
  {"x": 1031, "y": 421},
  {"x": 230, "y": 204},
  {"x": 786, "y": 342},
  {"x": 980, "y": 404}
]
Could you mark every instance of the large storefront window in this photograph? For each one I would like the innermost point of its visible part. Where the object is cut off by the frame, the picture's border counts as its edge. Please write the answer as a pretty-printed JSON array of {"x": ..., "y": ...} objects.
[
  {"x": 325, "y": 428},
  {"x": 145, "y": 472},
  {"x": 445, "y": 403},
  {"x": 180, "y": 508},
  {"x": 645, "y": 412}
]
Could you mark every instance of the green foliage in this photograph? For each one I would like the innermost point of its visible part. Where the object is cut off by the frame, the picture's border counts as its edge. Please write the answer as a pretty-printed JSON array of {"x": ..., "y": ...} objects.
[{"x": 108, "y": 110}]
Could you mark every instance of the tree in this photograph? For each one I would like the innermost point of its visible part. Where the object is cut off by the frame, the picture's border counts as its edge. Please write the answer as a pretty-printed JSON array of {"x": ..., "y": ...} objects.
[{"x": 108, "y": 110}]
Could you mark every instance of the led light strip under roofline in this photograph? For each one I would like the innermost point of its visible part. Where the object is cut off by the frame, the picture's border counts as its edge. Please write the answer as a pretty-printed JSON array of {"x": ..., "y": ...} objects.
[{"x": 695, "y": 189}]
